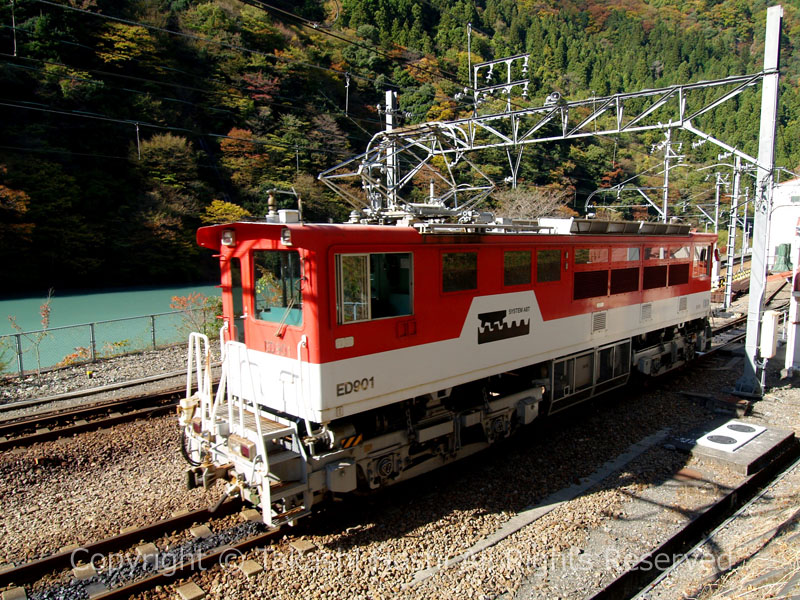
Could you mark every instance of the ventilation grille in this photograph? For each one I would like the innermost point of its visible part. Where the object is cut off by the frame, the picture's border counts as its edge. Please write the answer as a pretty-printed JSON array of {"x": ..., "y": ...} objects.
[
  {"x": 599, "y": 321},
  {"x": 682, "y": 304},
  {"x": 647, "y": 312}
]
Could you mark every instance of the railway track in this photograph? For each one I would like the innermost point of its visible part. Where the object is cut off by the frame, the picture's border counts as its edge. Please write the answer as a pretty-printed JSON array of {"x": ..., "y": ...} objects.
[
  {"x": 144, "y": 566},
  {"x": 645, "y": 574},
  {"x": 152, "y": 578},
  {"x": 160, "y": 569},
  {"x": 51, "y": 425},
  {"x": 47, "y": 425}
]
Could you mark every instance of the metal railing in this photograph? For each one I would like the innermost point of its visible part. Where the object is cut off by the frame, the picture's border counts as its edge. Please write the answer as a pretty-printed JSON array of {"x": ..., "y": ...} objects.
[{"x": 29, "y": 351}]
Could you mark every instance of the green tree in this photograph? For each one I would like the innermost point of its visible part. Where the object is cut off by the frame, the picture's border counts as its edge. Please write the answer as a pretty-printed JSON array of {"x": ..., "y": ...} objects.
[{"x": 220, "y": 211}]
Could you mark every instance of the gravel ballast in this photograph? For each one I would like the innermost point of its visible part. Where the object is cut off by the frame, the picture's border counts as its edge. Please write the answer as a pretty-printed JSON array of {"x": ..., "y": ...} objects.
[
  {"x": 92, "y": 375},
  {"x": 374, "y": 547},
  {"x": 84, "y": 488}
]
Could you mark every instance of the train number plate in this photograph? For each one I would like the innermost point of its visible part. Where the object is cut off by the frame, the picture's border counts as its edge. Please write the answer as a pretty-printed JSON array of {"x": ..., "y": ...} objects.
[{"x": 357, "y": 385}]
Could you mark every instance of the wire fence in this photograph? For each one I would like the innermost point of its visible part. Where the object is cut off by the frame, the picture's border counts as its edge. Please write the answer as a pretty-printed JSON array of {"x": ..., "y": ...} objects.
[{"x": 74, "y": 344}]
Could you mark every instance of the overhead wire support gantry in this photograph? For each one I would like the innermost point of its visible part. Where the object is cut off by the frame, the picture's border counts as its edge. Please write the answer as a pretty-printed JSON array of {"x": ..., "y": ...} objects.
[{"x": 664, "y": 109}]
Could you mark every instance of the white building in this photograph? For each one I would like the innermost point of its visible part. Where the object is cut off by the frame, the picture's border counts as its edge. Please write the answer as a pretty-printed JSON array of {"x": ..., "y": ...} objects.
[{"x": 784, "y": 218}]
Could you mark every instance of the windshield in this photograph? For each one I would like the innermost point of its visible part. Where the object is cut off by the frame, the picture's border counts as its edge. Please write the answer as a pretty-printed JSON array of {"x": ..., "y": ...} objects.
[{"x": 278, "y": 283}]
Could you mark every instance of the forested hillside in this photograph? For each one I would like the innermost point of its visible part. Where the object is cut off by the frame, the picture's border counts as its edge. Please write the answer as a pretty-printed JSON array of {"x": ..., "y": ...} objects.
[{"x": 126, "y": 125}]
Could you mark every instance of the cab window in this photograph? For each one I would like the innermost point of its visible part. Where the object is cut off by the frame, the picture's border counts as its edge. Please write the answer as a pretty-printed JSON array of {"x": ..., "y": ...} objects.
[
  {"x": 702, "y": 261},
  {"x": 278, "y": 286}
]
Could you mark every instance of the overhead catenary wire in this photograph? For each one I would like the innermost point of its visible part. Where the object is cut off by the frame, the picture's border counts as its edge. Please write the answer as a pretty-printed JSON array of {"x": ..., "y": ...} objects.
[
  {"x": 186, "y": 102},
  {"x": 451, "y": 77},
  {"x": 244, "y": 48},
  {"x": 172, "y": 84},
  {"x": 199, "y": 38},
  {"x": 134, "y": 123},
  {"x": 177, "y": 85}
]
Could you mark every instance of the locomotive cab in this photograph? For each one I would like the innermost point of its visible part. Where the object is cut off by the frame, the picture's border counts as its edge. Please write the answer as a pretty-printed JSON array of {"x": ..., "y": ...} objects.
[{"x": 264, "y": 280}]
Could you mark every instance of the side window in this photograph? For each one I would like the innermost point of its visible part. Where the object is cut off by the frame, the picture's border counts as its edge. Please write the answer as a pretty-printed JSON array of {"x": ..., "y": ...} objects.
[
  {"x": 459, "y": 271},
  {"x": 590, "y": 284},
  {"x": 681, "y": 253},
  {"x": 624, "y": 280},
  {"x": 590, "y": 256},
  {"x": 548, "y": 265},
  {"x": 516, "y": 267},
  {"x": 238, "y": 298},
  {"x": 278, "y": 286},
  {"x": 390, "y": 285},
  {"x": 654, "y": 277},
  {"x": 678, "y": 274},
  {"x": 702, "y": 262},
  {"x": 373, "y": 286},
  {"x": 655, "y": 253},
  {"x": 624, "y": 254}
]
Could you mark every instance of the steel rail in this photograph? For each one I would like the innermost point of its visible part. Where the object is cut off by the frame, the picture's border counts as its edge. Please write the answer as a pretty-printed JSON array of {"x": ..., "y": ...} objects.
[
  {"x": 636, "y": 579},
  {"x": 164, "y": 401},
  {"x": 55, "y": 417},
  {"x": 68, "y": 558},
  {"x": 17, "y": 404},
  {"x": 203, "y": 562},
  {"x": 54, "y": 434}
]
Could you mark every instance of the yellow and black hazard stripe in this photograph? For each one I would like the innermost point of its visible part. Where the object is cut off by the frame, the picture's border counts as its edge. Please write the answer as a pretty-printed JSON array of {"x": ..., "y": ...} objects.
[{"x": 352, "y": 441}]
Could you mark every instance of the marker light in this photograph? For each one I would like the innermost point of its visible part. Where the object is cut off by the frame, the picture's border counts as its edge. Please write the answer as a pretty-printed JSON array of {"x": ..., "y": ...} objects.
[
  {"x": 242, "y": 446},
  {"x": 286, "y": 236},
  {"x": 228, "y": 237}
]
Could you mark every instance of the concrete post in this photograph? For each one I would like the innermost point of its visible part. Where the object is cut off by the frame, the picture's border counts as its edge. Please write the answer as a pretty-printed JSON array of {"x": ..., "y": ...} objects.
[{"x": 749, "y": 381}]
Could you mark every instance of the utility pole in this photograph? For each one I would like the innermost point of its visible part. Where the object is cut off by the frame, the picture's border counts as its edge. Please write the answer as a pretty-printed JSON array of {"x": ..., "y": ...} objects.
[
  {"x": 749, "y": 381},
  {"x": 469, "y": 54},
  {"x": 720, "y": 181},
  {"x": 718, "y": 184},
  {"x": 14, "y": 27}
]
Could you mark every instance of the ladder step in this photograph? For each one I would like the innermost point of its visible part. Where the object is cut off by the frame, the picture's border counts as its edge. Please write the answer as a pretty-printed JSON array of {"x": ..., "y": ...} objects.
[
  {"x": 289, "y": 515},
  {"x": 282, "y": 456},
  {"x": 281, "y": 489},
  {"x": 276, "y": 434}
]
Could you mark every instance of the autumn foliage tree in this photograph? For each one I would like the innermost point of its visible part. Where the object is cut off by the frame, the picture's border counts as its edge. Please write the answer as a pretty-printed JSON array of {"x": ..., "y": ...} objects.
[
  {"x": 532, "y": 203},
  {"x": 255, "y": 99},
  {"x": 220, "y": 211},
  {"x": 171, "y": 201}
]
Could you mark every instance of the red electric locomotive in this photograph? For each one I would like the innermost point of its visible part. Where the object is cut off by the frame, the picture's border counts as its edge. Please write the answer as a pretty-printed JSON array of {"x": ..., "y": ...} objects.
[{"x": 356, "y": 356}]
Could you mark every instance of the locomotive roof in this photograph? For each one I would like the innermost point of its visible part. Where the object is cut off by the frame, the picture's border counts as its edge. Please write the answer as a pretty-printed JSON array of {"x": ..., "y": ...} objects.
[{"x": 209, "y": 236}]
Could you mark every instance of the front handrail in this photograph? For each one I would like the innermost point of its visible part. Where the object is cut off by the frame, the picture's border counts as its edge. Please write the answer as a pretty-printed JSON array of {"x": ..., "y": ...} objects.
[{"x": 199, "y": 349}]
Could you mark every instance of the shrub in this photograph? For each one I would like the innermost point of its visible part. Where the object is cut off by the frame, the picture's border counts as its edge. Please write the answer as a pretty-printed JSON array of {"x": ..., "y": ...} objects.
[{"x": 199, "y": 313}]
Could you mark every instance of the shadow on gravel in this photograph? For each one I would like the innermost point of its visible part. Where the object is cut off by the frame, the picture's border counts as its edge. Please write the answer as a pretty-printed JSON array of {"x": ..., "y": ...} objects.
[{"x": 539, "y": 460}]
